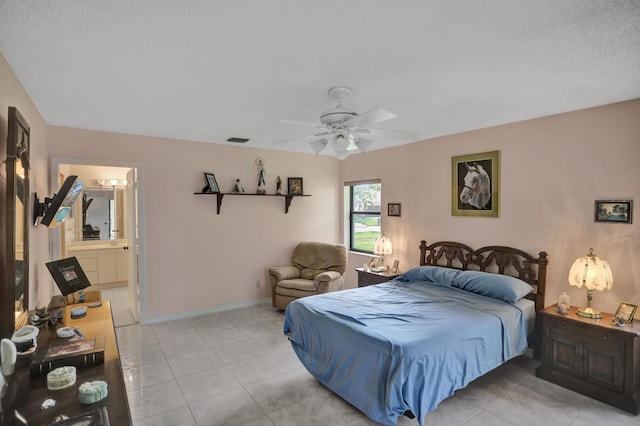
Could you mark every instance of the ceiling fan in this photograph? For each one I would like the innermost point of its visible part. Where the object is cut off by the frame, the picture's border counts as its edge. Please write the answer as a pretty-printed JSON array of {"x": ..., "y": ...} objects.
[{"x": 345, "y": 130}]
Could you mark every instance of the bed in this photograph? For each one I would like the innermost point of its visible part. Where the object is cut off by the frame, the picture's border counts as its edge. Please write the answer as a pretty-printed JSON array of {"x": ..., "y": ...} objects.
[{"x": 404, "y": 346}]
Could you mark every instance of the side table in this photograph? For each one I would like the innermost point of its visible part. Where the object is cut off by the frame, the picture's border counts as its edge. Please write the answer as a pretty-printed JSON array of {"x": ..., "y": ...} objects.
[
  {"x": 592, "y": 357},
  {"x": 366, "y": 278}
]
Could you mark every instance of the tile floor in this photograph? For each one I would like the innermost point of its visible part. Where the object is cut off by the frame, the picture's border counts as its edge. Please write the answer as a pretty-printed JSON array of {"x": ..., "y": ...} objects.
[
  {"x": 237, "y": 368},
  {"x": 119, "y": 298}
]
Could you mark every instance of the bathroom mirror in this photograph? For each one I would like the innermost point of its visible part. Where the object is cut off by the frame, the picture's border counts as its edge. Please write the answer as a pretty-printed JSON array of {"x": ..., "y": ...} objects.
[
  {"x": 103, "y": 214},
  {"x": 14, "y": 287}
]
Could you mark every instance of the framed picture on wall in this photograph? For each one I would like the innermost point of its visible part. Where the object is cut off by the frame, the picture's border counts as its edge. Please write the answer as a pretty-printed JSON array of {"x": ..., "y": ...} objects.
[
  {"x": 393, "y": 209},
  {"x": 294, "y": 186},
  {"x": 613, "y": 211},
  {"x": 475, "y": 184}
]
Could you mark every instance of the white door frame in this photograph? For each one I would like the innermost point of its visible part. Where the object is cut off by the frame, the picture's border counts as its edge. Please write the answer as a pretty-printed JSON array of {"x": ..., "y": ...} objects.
[{"x": 54, "y": 236}]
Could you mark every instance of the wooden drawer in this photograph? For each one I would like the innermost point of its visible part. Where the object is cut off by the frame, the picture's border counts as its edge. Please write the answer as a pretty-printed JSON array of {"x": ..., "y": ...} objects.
[
  {"x": 89, "y": 264},
  {"x": 585, "y": 333},
  {"x": 83, "y": 254}
]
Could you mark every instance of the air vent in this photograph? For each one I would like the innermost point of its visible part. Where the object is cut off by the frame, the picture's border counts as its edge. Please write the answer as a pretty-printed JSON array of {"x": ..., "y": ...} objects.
[{"x": 238, "y": 140}]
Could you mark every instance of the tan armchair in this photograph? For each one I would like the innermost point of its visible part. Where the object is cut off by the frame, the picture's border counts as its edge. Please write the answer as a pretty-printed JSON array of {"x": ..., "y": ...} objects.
[{"x": 315, "y": 268}]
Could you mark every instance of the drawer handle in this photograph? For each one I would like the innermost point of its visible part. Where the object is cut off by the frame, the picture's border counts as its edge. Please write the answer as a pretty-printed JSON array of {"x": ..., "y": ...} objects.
[{"x": 604, "y": 337}]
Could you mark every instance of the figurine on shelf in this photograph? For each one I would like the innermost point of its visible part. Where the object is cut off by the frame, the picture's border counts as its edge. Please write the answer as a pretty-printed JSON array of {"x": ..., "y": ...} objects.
[
  {"x": 278, "y": 186},
  {"x": 261, "y": 177},
  {"x": 238, "y": 186}
]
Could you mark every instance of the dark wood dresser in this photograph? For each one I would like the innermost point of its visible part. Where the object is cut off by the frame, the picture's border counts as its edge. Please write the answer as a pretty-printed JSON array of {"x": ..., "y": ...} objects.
[
  {"x": 366, "y": 278},
  {"x": 26, "y": 394},
  {"x": 592, "y": 357}
]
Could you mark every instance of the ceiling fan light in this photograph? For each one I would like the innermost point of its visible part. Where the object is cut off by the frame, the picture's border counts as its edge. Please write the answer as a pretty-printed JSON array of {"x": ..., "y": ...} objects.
[
  {"x": 364, "y": 144},
  {"x": 318, "y": 145},
  {"x": 341, "y": 140},
  {"x": 341, "y": 155}
]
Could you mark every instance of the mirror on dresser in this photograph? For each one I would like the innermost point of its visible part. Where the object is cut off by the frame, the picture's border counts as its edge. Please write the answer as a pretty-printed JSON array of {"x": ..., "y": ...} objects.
[{"x": 14, "y": 286}]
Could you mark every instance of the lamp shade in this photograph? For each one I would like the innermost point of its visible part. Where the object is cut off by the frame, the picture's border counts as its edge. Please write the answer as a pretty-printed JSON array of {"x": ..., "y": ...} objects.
[
  {"x": 318, "y": 145},
  {"x": 382, "y": 246},
  {"x": 364, "y": 144},
  {"x": 591, "y": 272}
]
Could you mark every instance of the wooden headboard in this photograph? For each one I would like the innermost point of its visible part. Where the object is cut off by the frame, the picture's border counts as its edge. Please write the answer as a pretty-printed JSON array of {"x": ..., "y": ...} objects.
[{"x": 497, "y": 259}]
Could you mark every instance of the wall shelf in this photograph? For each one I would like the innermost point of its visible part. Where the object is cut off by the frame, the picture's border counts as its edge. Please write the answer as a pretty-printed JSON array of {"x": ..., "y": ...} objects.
[{"x": 220, "y": 195}]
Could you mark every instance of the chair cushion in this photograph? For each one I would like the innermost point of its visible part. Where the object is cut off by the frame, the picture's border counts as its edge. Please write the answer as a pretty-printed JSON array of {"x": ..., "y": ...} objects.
[
  {"x": 297, "y": 288},
  {"x": 313, "y": 258},
  {"x": 297, "y": 284},
  {"x": 310, "y": 274}
]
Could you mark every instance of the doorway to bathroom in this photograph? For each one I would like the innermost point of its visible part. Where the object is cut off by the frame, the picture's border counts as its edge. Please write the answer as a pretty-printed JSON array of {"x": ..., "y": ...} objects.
[{"x": 103, "y": 232}]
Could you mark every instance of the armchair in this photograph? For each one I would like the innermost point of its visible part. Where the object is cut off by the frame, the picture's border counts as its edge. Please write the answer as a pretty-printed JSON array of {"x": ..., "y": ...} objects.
[{"x": 315, "y": 268}]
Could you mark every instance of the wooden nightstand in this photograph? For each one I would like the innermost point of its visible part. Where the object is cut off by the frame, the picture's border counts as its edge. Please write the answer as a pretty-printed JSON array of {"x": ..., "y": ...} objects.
[
  {"x": 366, "y": 278},
  {"x": 592, "y": 357}
]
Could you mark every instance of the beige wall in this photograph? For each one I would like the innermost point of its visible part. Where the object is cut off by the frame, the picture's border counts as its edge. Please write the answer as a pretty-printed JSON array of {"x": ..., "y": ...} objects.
[
  {"x": 195, "y": 259},
  {"x": 553, "y": 168}
]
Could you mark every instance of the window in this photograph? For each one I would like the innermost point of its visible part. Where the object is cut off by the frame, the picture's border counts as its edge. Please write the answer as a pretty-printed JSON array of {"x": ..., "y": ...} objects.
[{"x": 363, "y": 215}]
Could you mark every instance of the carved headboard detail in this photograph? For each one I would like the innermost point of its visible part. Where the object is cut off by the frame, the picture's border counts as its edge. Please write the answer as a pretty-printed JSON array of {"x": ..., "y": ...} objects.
[{"x": 496, "y": 259}]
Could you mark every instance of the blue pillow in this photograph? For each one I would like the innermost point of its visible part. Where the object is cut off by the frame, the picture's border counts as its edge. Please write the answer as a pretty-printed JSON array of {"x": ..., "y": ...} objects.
[
  {"x": 432, "y": 274},
  {"x": 501, "y": 287}
]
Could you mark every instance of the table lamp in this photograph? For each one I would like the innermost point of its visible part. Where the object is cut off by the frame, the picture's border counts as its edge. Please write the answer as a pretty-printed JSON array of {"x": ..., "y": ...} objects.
[
  {"x": 382, "y": 247},
  {"x": 593, "y": 273}
]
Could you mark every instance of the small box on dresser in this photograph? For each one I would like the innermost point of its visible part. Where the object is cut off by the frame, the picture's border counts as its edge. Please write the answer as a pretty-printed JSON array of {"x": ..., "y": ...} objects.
[{"x": 592, "y": 357}]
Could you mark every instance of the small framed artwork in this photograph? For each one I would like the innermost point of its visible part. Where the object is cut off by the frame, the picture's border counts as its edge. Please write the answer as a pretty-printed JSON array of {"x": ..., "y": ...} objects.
[
  {"x": 393, "y": 209},
  {"x": 613, "y": 211},
  {"x": 626, "y": 311},
  {"x": 394, "y": 268},
  {"x": 294, "y": 185},
  {"x": 212, "y": 184},
  {"x": 475, "y": 184},
  {"x": 68, "y": 275}
]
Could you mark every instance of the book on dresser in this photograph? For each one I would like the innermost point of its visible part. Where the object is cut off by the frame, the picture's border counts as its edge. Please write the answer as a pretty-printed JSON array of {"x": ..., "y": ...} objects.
[{"x": 75, "y": 353}]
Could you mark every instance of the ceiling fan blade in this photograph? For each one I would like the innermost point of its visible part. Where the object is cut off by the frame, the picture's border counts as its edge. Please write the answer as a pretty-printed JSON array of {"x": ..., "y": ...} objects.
[
  {"x": 395, "y": 134},
  {"x": 307, "y": 138},
  {"x": 375, "y": 115},
  {"x": 318, "y": 145},
  {"x": 301, "y": 123},
  {"x": 360, "y": 131}
]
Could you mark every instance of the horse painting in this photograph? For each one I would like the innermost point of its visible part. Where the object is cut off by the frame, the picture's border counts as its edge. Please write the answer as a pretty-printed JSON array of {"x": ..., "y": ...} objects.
[{"x": 477, "y": 187}]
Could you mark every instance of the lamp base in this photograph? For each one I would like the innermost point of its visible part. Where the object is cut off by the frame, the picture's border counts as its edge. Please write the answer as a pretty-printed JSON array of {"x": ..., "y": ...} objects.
[{"x": 589, "y": 313}]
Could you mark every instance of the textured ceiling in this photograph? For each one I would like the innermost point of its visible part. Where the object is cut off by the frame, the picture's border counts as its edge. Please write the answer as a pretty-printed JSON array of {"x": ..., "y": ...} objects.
[{"x": 208, "y": 70}]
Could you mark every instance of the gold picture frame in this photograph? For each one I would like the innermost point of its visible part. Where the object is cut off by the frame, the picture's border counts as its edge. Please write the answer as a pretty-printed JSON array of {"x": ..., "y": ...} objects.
[
  {"x": 627, "y": 311},
  {"x": 475, "y": 184}
]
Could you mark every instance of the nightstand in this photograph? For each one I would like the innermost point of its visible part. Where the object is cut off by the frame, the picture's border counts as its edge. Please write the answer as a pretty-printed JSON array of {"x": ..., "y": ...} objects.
[
  {"x": 592, "y": 357},
  {"x": 366, "y": 278}
]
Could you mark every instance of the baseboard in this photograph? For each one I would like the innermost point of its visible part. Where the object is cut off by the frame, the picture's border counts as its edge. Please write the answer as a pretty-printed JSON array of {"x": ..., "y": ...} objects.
[{"x": 212, "y": 310}]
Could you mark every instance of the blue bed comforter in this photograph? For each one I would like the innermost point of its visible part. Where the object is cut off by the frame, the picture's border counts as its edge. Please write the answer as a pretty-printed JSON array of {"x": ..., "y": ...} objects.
[{"x": 402, "y": 346}]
